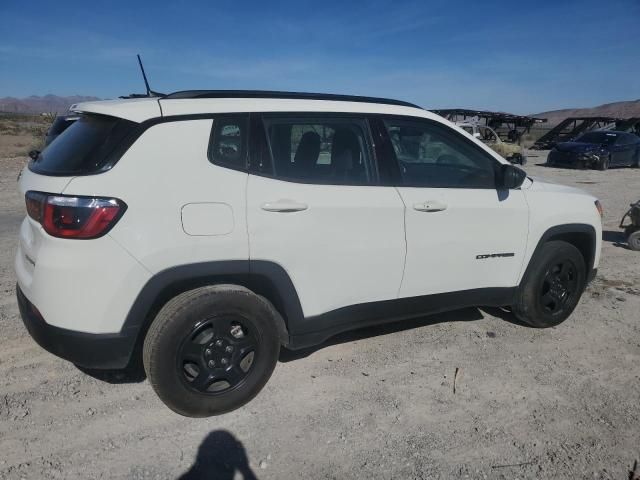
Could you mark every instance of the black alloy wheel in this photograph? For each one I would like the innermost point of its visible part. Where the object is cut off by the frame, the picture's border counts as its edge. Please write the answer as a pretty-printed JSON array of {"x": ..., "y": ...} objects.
[
  {"x": 559, "y": 284},
  {"x": 210, "y": 350},
  {"x": 217, "y": 354},
  {"x": 551, "y": 286}
]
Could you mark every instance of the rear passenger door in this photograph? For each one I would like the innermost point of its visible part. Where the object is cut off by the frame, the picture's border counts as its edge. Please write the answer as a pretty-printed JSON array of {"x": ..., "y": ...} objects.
[
  {"x": 462, "y": 232},
  {"x": 314, "y": 209}
]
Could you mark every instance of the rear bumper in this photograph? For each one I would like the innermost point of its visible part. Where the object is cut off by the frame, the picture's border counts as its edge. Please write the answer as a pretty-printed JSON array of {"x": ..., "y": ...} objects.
[{"x": 89, "y": 350}]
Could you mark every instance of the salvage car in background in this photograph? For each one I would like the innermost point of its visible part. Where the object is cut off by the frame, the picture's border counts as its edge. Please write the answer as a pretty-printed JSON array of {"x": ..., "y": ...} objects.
[
  {"x": 512, "y": 152},
  {"x": 599, "y": 149}
]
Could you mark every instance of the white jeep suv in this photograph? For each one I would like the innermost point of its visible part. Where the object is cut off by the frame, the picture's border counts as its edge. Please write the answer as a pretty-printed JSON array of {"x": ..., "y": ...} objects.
[{"x": 205, "y": 230}]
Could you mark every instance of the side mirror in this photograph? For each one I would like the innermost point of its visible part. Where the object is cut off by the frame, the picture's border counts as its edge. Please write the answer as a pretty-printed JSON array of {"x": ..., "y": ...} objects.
[{"x": 511, "y": 176}]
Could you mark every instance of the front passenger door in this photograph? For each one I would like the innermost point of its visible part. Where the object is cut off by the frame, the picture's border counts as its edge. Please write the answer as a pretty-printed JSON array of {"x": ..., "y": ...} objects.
[
  {"x": 462, "y": 232},
  {"x": 626, "y": 149}
]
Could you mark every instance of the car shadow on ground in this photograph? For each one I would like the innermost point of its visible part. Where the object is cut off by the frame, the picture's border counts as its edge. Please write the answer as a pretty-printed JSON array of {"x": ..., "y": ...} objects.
[
  {"x": 134, "y": 372},
  {"x": 615, "y": 237},
  {"x": 462, "y": 315},
  {"x": 220, "y": 456}
]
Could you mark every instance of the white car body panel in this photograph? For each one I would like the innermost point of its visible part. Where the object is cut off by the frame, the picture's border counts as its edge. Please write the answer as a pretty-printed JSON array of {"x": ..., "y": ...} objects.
[
  {"x": 98, "y": 268},
  {"x": 552, "y": 204},
  {"x": 443, "y": 245},
  {"x": 156, "y": 199},
  {"x": 86, "y": 286},
  {"x": 134, "y": 109},
  {"x": 347, "y": 247}
]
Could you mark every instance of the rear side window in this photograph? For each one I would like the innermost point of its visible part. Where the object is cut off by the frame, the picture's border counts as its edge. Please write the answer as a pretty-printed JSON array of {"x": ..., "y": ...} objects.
[
  {"x": 319, "y": 150},
  {"x": 228, "y": 145},
  {"x": 432, "y": 155},
  {"x": 83, "y": 148}
]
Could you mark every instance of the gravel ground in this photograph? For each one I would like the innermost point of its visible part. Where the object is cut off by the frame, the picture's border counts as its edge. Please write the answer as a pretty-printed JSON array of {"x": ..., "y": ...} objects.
[{"x": 376, "y": 403}]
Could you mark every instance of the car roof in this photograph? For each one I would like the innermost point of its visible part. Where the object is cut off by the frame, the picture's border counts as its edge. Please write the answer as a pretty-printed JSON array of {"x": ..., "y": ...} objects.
[
  {"x": 198, "y": 102},
  {"x": 603, "y": 130},
  {"x": 282, "y": 94}
]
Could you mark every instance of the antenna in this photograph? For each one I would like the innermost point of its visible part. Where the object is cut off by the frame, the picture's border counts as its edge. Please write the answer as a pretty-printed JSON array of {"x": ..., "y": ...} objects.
[
  {"x": 144, "y": 76},
  {"x": 150, "y": 93}
]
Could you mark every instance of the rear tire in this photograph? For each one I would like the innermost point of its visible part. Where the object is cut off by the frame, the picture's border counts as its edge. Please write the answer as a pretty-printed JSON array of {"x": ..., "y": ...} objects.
[
  {"x": 211, "y": 350},
  {"x": 552, "y": 285}
]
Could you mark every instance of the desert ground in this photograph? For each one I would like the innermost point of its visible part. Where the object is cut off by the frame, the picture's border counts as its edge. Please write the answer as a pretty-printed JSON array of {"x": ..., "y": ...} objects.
[{"x": 375, "y": 403}]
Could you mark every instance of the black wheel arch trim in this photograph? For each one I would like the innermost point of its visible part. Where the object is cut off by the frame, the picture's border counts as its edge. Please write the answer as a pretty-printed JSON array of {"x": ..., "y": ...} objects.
[
  {"x": 264, "y": 278},
  {"x": 271, "y": 280},
  {"x": 563, "y": 232}
]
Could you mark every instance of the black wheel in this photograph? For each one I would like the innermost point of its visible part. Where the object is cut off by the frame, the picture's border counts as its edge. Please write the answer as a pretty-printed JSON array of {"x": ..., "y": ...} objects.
[
  {"x": 604, "y": 163},
  {"x": 211, "y": 350},
  {"x": 552, "y": 285},
  {"x": 634, "y": 240}
]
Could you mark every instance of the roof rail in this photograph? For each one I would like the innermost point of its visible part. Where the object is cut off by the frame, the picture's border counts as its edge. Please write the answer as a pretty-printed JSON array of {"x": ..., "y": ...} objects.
[{"x": 290, "y": 95}]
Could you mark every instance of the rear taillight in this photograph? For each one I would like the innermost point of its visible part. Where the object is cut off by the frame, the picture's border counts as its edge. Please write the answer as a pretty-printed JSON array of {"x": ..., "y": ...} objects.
[{"x": 74, "y": 217}]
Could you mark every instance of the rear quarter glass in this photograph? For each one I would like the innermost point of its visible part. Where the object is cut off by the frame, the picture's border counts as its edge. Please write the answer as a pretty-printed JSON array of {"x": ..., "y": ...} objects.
[{"x": 88, "y": 146}]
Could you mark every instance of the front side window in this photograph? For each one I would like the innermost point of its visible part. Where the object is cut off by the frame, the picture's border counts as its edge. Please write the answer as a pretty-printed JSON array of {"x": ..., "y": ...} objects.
[
  {"x": 228, "y": 145},
  {"x": 432, "y": 155},
  {"x": 319, "y": 150}
]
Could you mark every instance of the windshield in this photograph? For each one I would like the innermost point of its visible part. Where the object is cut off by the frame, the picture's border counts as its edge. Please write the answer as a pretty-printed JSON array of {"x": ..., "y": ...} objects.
[
  {"x": 598, "y": 137},
  {"x": 84, "y": 147}
]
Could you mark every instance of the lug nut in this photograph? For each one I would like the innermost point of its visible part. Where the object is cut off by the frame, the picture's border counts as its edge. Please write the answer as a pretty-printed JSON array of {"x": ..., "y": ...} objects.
[
  {"x": 207, "y": 351},
  {"x": 212, "y": 364},
  {"x": 218, "y": 343},
  {"x": 228, "y": 349},
  {"x": 224, "y": 361}
]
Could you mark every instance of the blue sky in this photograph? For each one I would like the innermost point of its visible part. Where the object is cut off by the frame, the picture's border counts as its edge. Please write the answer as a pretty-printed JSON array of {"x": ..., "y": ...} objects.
[{"x": 516, "y": 56}]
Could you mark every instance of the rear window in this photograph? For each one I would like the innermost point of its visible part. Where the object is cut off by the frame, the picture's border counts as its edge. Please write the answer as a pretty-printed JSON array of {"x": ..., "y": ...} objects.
[
  {"x": 85, "y": 147},
  {"x": 60, "y": 124}
]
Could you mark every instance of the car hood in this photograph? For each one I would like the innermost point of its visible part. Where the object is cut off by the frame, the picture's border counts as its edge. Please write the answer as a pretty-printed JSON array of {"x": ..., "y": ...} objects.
[
  {"x": 540, "y": 184},
  {"x": 579, "y": 147}
]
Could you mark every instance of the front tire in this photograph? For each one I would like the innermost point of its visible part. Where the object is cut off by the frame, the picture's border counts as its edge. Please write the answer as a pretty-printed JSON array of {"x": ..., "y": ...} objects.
[
  {"x": 552, "y": 285},
  {"x": 211, "y": 350},
  {"x": 605, "y": 162},
  {"x": 633, "y": 240}
]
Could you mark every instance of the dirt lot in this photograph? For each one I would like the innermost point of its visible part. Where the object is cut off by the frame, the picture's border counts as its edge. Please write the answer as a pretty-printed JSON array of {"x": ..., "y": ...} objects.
[{"x": 377, "y": 403}]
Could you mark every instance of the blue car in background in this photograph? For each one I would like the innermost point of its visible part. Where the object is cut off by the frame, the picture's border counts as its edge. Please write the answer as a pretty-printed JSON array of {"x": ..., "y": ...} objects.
[{"x": 599, "y": 149}]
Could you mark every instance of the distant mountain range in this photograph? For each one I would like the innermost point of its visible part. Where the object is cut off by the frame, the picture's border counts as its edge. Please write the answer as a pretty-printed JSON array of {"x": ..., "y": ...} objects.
[
  {"x": 46, "y": 104},
  {"x": 618, "y": 109},
  {"x": 56, "y": 104}
]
